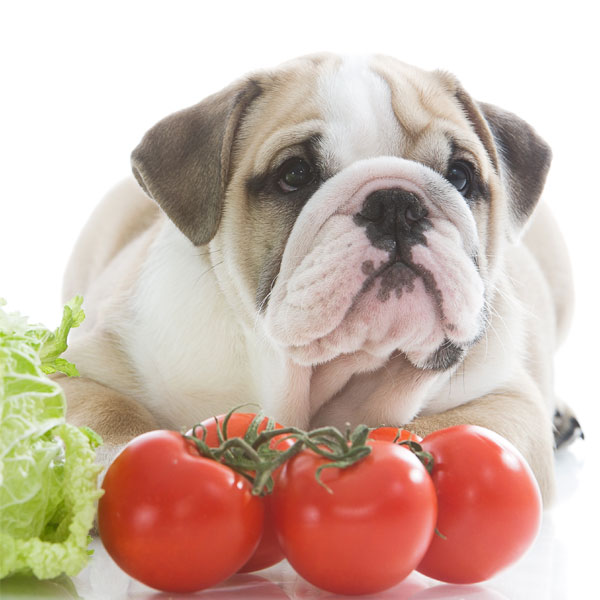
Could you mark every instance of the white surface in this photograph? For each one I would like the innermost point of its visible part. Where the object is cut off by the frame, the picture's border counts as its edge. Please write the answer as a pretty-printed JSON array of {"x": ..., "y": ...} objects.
[{"x": 83, "y": 81}]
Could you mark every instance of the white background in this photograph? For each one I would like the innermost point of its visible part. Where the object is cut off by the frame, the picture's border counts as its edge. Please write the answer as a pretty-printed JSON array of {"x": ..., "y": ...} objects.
[{"x": 82, "y": 81}]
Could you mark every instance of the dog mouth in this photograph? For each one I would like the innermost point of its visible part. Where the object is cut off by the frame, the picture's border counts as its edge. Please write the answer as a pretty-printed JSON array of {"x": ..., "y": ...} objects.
[
  {"x": 394, "y": 277},
  {"x": 447, "y": 356},
  {"x": 398, "y": 277}
]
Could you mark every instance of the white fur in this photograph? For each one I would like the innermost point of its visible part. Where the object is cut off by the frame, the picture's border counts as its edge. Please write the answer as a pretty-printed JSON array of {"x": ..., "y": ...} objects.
[
  {"x": 357, "y": 113},
  {"x": 192, "y": 355},
  {"x": 184, "y": 337}
]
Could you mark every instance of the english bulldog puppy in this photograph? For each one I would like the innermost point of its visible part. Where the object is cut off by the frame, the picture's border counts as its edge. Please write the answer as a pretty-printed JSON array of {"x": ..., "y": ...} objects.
[{"x": 340, "y": 240}]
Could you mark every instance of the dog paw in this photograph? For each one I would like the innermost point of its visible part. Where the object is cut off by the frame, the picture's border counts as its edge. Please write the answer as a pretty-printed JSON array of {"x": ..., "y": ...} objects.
[{"x": 566, "y": 427}]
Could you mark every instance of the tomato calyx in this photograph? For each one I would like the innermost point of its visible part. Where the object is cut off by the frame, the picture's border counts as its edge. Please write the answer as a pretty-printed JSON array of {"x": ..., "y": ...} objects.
[
  {"x": 425, "y": 457},
  {"x": 256, "y": 458},
  {"x": 342, "y": 451},
  {"x": 251, "y": 455},
  {"x": 427, "y": 461}
]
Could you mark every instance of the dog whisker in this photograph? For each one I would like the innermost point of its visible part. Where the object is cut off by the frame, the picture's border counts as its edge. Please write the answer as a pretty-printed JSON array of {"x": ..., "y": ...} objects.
[
  {"x": 259, "y": 312},
  {"x": 204, "y": 273},
  {"x": 209, "y": 252}
]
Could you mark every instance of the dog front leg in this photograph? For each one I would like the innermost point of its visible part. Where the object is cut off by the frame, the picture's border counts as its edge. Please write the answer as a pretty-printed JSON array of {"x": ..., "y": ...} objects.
[
  {"x": 518, "y": 416},
  {"x": 115, "y": 417}
]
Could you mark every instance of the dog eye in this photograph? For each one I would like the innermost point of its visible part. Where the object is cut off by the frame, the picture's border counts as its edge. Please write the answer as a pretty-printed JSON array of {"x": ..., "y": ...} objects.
[
  {"x": 460, "y": 175},
  {"x": 295, "y": 173}
]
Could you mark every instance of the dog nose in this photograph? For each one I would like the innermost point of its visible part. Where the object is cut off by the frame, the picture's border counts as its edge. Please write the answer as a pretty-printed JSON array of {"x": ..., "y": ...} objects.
[{"x": 390, "y": 216}]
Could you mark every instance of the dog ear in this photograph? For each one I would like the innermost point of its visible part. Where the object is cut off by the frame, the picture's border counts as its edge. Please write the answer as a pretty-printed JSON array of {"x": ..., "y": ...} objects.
[
  {"x": 183, "y": 161},
  {"x": 524, "y": 158},
  {"x": 517, "y": 152}
]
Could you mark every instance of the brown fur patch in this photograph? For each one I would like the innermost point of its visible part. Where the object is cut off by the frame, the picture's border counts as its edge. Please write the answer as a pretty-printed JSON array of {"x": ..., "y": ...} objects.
[{"x": 261, "y": 229}]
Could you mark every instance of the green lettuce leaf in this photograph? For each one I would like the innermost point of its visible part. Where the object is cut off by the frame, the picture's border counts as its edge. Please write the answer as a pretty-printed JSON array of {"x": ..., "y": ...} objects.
[{"x": 48, "y": 478}]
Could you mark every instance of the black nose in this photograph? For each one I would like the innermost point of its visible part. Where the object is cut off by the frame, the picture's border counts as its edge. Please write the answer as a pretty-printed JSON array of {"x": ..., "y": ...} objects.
[{"x": 392, "y": 218}]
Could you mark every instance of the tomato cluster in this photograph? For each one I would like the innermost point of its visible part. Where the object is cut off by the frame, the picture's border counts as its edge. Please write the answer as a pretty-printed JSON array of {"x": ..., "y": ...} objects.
[{"x": 175, "y": 516}]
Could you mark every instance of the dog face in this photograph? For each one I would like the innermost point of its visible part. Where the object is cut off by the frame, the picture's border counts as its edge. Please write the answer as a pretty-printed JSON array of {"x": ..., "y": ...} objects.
[{"x": 350, "y": 205}]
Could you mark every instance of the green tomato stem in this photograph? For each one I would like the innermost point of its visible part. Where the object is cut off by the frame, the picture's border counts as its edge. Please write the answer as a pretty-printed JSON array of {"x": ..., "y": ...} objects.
[{"x": 252, "y": 456}]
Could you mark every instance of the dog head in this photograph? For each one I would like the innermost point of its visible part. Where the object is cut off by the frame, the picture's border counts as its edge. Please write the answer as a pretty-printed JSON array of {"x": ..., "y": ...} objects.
[{"x": 353, "y": 205}]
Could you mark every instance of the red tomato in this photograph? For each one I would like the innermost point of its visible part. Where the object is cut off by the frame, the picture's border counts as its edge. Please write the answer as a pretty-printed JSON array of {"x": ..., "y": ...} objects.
[
  {"x": 367, "y": 535},
  {"x": 173, "y": 519},
  {"x": 268, "y": 551},
  {"x": 389, "y": 434},
  {"x": 489, "y": 504}
]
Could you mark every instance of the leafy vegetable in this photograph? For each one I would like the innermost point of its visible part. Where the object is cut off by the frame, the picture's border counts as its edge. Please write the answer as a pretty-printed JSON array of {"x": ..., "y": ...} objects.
[{"x": 48, "y": 477}]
